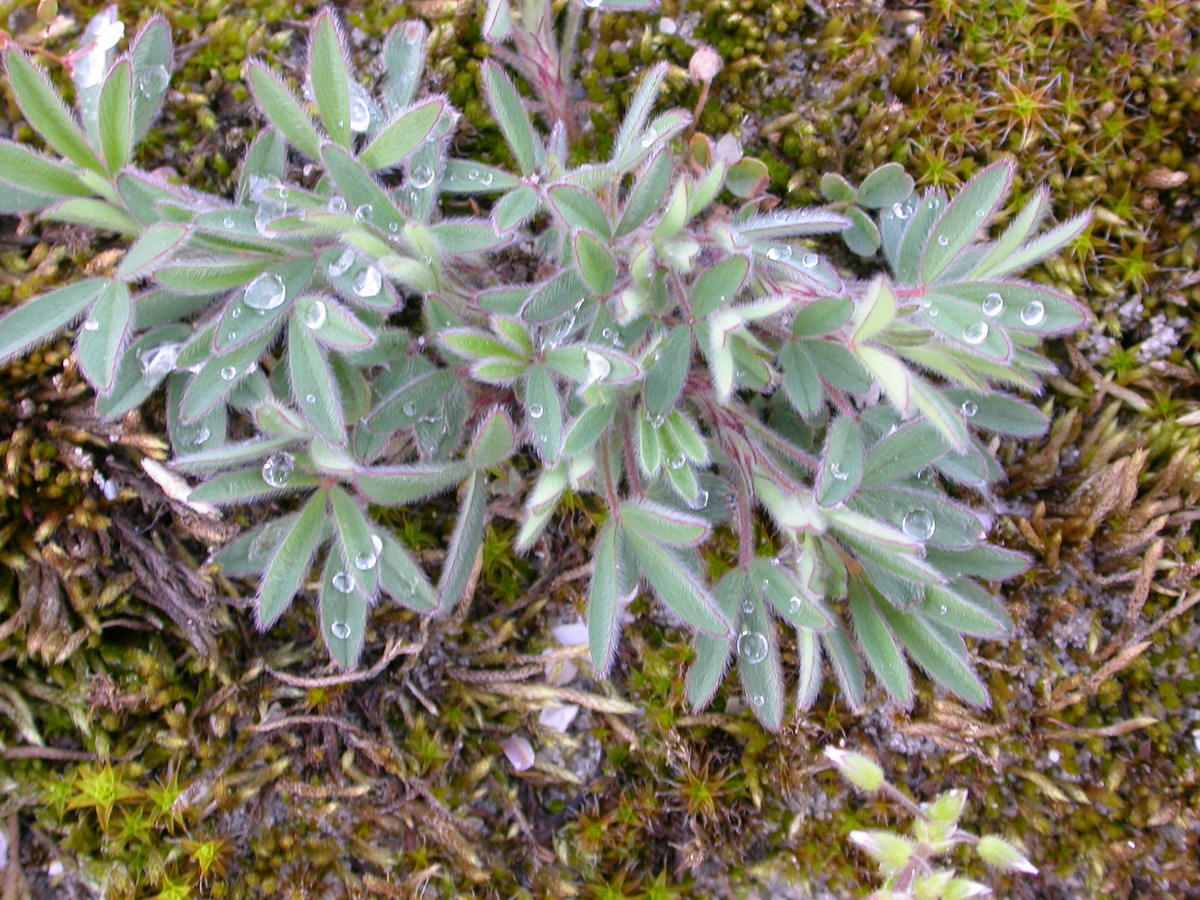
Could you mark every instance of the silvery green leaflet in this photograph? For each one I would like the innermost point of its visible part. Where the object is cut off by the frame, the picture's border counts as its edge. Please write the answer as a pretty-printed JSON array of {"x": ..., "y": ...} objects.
[{"x": 685, "y": 354}]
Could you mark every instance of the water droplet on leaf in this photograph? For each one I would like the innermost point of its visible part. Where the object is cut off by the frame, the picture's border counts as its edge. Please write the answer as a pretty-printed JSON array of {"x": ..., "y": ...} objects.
[
  {"x": 536, "y": 411},
  {"x": 975, "y": 332},
  {"x": 969, "y": 408},
  {"x": 151, "y": 81},
  {"x": 277, "y": 470},
  {"x": 160, "y": 361},
  {"x": 364, "y": 562},
  {"x": 919, "y": 524},
  {"x": 339, "y": 266},
  {"x": 368, "y": 282},
  {"x": 993, "y": 303},
  {"x": 360, "y": 110},
  {"x": 1033, "y": 313},
  {"x": 344, "y": 582},
  {"x": 265, "y": 292},
  {"x": 316, "y": 315},
  {"x": 421, "y": 177},
  {"x": 228, "y": 373},
  {"x": 752, "y": 647},
  {"x": 340, "y": 630}
]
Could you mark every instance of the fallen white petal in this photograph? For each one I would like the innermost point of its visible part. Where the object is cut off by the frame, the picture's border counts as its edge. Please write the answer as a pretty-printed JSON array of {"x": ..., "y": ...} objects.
[
  {"x": 519, "y": 752},
  {"x": 570, "y": 634},
  {"x": 559, "y": 717}
]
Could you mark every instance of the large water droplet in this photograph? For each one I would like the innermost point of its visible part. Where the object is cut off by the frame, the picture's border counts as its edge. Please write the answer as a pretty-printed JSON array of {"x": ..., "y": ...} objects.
[
  {"x": 748, "y": 605},
  {"x": 1033, "y": 313},
  {"x": 676, "y": 462},
  {"x": 360, "y": 110},
  {"x": 316, "y": 315},
  {"x": 341, "y": 265},
  {"x": 486, "y": 179},
  {"x": 752, "y": 647},
  {"x": 88, "y": 70},
  {"x": 794, "y": 605},
  {"x": 975, "y": 332},
  {"x": 701, "y": 500},
  {"x": 943, "y": 240},
  {"x": 598, "y": 367},
  {"x": 900, "y": 211},
  {"x": 152, "y": 80},
  {"x": 810, "y": 260},
  {"x": 91, "y": 325},
  {"x": 421, "y": 177},
  {"x": 536, "y": 411},
  {"x": 201, "y": 436},
  {"x": 265, "y": 292},
  {"x": 160, "y": 361},
  {"x": 344, "y": 582},
  {"x": 758, "y": 701},
  {"x": 969, "y": 408},
  {"x": 368, "y": 282},
  {"x": 781, "y": 253},
  {"x": 993, "y": 303},
  {"x": 919, "y": 525},
  {"x": 837, "y": 472},
  {"x": 340, "y": 630},
  {"x": 336, "y": 205},
  {"x": 364, "y": 213},
  {"x": 277, "y": 470},
  {"x": 228, "y": 373},
  {"x": 364, "y": 562}
]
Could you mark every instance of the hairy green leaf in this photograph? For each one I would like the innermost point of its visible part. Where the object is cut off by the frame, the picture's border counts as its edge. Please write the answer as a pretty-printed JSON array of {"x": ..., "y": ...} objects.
[{"x": 289, "y": 566}]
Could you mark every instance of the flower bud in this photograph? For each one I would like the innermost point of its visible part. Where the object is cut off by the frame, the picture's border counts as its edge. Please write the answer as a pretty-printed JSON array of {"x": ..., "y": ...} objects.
[
  {"x": 965, "y": 889},
  {"x": 1002, "y": 855},
  {"x": 891, "y": 851},
  {"x": 705, "y": 64},
  {"x": 857, "y": 769}
]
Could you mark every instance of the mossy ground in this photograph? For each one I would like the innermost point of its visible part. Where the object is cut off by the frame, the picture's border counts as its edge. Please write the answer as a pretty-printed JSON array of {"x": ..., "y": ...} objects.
[{"x": 155, "y": 746}]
